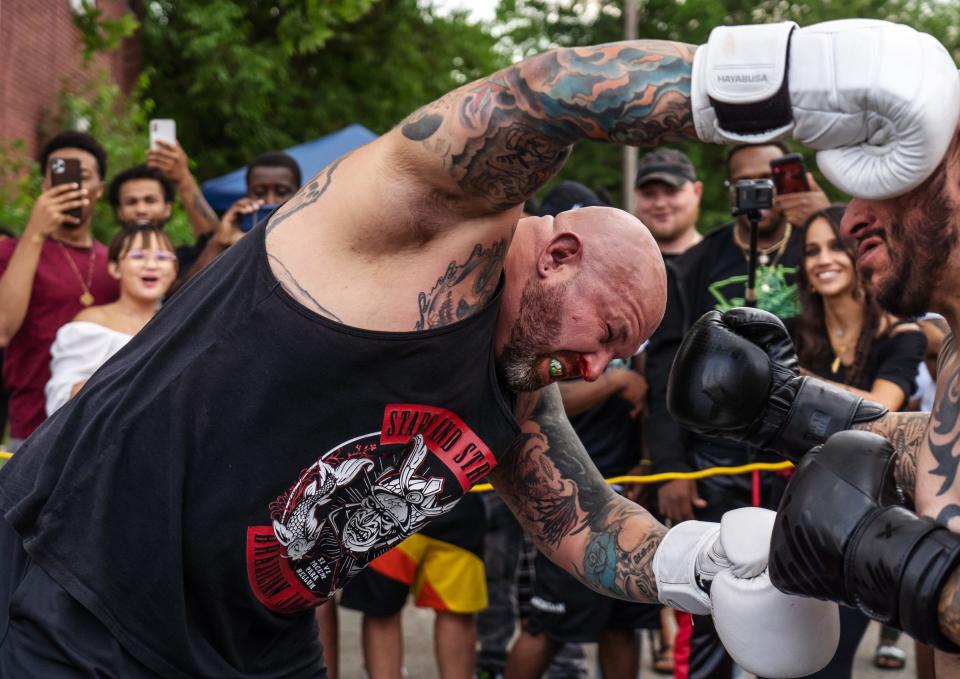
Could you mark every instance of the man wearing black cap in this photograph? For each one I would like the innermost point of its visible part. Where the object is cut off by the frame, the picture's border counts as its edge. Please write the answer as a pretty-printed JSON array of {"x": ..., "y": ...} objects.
[
  {"x": 712, "y": 275},
  {"x": 668, "y": 200}
]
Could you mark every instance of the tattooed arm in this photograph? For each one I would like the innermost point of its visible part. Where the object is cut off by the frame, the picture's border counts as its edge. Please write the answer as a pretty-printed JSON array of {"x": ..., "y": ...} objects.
[
  {"x": 907, "y": 432},
  {"x": 501, "y": 138},
  {"x": 172, "y": 160},
  {"x": 551, "y": 485}
]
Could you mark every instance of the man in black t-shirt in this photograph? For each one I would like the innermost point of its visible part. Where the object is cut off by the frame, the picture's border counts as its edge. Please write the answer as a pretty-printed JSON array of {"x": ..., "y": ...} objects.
[{"x": 713, "y": 275}]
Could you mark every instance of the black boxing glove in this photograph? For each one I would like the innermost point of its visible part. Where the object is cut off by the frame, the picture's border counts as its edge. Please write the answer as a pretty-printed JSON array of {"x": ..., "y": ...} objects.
[
  {"x": 839, "y": 535},
  {"x": 736, "y": 376}
]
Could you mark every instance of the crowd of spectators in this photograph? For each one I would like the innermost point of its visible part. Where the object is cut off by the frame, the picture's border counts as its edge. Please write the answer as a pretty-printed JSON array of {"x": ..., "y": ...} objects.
[{"x": 69, "y": 302}]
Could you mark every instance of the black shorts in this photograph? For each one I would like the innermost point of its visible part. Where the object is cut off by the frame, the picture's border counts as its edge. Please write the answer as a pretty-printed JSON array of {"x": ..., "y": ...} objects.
[{"x": 566, "y": 610}]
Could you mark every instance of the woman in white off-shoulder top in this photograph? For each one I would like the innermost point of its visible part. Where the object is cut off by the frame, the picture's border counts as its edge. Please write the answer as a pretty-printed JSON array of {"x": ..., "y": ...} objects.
[{"x": 143, "y": 260}]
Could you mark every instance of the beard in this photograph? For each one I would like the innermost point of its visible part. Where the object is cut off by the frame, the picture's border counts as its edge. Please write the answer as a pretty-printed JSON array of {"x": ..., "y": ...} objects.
[
  {"x": 918, "y": 252},
  {"x": 537, "y": 326}
]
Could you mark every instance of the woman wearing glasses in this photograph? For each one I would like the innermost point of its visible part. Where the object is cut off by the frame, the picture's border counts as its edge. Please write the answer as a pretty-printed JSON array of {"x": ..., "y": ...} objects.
[{"x": 141, "y": 258}]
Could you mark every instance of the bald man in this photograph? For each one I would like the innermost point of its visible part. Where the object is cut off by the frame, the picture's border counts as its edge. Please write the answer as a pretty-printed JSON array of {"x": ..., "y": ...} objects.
[{"x": 391, "y": 336}]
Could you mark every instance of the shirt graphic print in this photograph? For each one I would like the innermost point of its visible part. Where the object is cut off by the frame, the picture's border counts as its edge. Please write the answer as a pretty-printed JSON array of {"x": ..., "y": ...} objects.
[{"x": 360, "y": 499}]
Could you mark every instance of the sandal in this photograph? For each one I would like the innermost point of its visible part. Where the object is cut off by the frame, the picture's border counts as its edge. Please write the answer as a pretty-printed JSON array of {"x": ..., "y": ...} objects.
[
  {"x": 663, "y": 660},
  {"x": 890, "y": 657}
]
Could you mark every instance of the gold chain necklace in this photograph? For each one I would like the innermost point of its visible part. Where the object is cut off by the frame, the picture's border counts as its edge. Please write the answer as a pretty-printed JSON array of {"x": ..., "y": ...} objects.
[
  {"x": 86, "y": 299},
  {"x": 838, "y": 353},
  {"x": 763, "y": 254}
]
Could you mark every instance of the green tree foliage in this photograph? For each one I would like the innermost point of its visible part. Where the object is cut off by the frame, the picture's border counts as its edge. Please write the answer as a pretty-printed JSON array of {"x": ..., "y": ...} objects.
[
  {"x": 535, "y": 25},
  {"x": 101, "y": 33},
  {"x": 241, "y": 77}
]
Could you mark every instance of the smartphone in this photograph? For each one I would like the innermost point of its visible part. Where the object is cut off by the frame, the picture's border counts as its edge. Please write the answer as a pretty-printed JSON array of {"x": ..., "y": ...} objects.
[
  {"x": 251, "y": 219},
  {"x": 66, "y": 171},
  {"x": 789, "y": 174},
  {"x": 163, "y": 129}
]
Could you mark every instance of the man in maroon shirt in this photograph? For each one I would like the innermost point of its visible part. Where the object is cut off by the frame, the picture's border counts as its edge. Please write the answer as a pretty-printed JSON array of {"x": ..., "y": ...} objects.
[{"x": 53, "y": 271}]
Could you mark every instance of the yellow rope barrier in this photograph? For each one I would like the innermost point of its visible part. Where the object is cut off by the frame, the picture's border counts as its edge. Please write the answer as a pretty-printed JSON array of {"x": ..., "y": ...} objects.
[
  {"x": 649, "y": 478},
  {"x": 671, "y": 476}
]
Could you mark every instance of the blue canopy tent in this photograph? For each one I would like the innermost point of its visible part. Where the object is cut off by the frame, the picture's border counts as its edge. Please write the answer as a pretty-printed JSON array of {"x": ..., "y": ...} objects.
[{"x": 313, "y": 156}]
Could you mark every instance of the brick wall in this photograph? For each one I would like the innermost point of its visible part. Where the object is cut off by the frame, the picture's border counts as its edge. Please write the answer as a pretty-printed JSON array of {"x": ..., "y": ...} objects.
[{"x": 39, "y": 48}]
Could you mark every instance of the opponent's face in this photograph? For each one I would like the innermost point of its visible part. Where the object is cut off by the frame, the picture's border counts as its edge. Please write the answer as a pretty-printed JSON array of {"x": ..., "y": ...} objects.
[
  {"x": 90, "y": 180},
  {"x": 141, "y": 201},
  {"x": 827, "y": 265},
  {"x": 668, "y": 211},
  {"x": 273, "y": 185},
  {"x": 753, "y": 162},
  {"x": 904, "y": 243},
  {"x": 146, "y": 269}
]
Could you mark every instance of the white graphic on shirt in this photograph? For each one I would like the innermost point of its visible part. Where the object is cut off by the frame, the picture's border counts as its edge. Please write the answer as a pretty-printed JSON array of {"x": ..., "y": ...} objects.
[
  {"x": 302, "y": 528},
  {"x": 401, "y": 503}
]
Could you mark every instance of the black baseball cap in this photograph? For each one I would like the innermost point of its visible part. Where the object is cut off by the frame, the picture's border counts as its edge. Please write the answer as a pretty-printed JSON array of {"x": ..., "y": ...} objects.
[
  {"x": 568, "y": 195},
  {"x": 665, "y": 165}
]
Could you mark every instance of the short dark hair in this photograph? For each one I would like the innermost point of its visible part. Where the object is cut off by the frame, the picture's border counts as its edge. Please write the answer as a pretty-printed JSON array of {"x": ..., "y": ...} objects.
[
  {"x": 737, "y": 148},
  {"x": 71, "y": 139},
  {"x": 568, "y": 195},
  {"x": 125, "y": 237},
  {"x": 275, "y": 159},
  {"x": 139, "y": 172}
]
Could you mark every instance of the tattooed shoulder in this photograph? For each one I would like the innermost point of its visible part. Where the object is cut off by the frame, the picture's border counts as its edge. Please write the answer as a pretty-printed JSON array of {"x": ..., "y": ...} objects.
[
  {"x": 463, "y": 287},
  {"x": 944, "y": 432},
  {"x": 307, "y": 195}
]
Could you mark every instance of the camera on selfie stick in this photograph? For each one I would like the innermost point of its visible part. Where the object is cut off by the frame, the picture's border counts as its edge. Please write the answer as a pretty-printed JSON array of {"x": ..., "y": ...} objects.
[{"x": 752, "y": 197}]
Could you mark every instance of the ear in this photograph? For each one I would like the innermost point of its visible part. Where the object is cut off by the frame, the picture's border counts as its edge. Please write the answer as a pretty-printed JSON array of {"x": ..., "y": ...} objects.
[
  {"x": 113, "y": 269},
  {"x": 698, "y": 189},
  {"x": 167, "y": 210},
  {"x": 565, "y": 249}
]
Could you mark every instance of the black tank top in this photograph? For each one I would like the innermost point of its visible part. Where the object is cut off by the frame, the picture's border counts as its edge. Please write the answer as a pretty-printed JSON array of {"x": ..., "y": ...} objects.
[{"x": 241, "y": 458}]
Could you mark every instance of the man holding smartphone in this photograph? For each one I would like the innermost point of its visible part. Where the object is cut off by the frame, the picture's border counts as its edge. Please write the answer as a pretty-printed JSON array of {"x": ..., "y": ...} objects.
[
  {"x": 53, "y": 271},
  {"x": 712, "y": 275},
  {"x": 272, "y": 178}
]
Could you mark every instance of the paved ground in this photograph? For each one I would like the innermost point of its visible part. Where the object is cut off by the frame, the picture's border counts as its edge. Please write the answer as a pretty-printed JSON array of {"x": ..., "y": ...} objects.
[{"x": 418, "y": 634}]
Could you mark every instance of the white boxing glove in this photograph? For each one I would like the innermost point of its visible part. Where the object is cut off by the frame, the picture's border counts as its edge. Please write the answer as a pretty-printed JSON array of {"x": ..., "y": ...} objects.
[
  {"x": 687, "y": 560},
  {"x": 765, "y": 631},
  {"x": 880, "y": 101}
]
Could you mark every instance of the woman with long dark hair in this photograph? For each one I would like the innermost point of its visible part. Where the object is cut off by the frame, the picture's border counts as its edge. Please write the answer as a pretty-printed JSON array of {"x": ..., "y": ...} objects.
[{"x": 843, "y": 336}]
